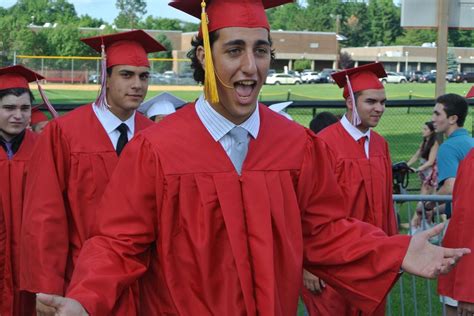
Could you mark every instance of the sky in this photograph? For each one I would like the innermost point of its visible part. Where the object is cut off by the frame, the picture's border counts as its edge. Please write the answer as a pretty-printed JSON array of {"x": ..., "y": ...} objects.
[{"x": 105, "y": 9}]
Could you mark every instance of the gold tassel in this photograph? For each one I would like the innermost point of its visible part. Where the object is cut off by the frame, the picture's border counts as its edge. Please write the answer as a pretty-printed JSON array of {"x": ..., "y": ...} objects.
[{"x": 210, "y": 84}]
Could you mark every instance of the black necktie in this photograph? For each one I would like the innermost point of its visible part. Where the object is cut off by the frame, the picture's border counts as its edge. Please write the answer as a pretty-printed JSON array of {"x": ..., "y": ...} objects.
[{"x": 123, "y": 139}]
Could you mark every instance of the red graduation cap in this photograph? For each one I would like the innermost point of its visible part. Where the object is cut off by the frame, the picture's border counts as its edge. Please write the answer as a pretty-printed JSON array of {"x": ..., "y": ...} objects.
[
  {"x": 37, "y": 116},
  {"x": 127, "y": 48},
  {"x": 470, "y": 94},
  {"x": 230, "y": 13},
  {"x": 358, "y": 79},
  {"x": 17, "y": 77},
  {"x": 361, "y": 78},
  {"x": 218, "y": 14}
]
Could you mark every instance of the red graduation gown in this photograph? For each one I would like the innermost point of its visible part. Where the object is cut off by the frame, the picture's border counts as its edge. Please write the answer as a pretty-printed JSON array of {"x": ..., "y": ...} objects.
[
  {"x": 12, "y": 174},
  {"x": 459, "y": 283},
  {"x": 222, "y": 244},
  {"x": 69, "y": 171},
  {"x": 367, "y": 188}
]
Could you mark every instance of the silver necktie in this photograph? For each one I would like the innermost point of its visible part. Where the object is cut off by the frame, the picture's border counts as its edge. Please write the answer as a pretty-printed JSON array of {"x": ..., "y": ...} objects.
[{"x": 239, "y": 148}]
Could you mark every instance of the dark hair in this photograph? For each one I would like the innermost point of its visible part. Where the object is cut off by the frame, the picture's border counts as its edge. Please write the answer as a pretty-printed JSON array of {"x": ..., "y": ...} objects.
[
  {"x": 321, "y": 121},
  {"x": 428, "y": 142},
  {"x": 198, "y": 73},
  {"x": 16, "y": 92},
  {"x": 454, "y": 105}
]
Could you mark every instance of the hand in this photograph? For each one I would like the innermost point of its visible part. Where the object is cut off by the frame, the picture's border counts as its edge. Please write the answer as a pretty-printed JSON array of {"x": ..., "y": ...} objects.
[
  {"x": 61, "y": 306},
  {"x": 428, "y": 261},
  {"x": 312, "y": 282},
  {"x": 44, "y": 310},
  {"x": 465, "y": 308}
]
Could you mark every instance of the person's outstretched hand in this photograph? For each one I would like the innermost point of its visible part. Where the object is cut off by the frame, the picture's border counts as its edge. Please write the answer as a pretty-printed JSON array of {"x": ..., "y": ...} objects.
[
  {"x": 427, "y": 260},
  {"x": 47, "y": 305}
]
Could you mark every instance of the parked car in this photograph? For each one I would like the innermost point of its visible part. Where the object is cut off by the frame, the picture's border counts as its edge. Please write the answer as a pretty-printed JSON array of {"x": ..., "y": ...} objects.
[
  {"x": 465, "y": 77},
  {"x": 325, "y": 75},
  {"x": 94, "y": 78},
  {"x": 415, "y": 76},
  {"x": 393, "y": 77},
  {"x": 451, "y": 76},
  {"x": 281, "y": 78},
  {"x": 310, "y": 77},
  {"x": 428, "y": 77}
]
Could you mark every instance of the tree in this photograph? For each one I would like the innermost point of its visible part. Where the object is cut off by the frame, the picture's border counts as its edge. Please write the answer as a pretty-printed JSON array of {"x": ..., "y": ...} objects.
[
  {"x": 452, "y": 61},
  {"x": 345, "y": 61},
  {"x": 384, "y": 21},
  {"x": 130, "y": 13},
  {"x": 162, "y": 66},
  {"x": 302, "y": 64},
  {"x": 153, "y": 23}
]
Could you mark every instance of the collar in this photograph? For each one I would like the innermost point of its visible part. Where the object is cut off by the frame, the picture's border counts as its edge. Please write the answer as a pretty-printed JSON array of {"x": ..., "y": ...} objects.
[
  {"x": 16, "y": 141},
  {"x": 110, "y": 122},
  {"x": 355, "y": 133},
  {"x": 459, "y": 132},
  {"x": 218, "y": 126}
]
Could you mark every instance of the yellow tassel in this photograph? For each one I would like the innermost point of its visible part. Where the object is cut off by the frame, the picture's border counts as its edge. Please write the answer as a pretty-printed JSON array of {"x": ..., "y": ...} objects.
[{"x": 210, "y": 84}]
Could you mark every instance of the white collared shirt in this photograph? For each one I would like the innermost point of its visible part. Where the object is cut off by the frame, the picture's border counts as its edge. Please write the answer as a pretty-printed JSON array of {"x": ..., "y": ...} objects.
[
  {"x": 356, "y": 134},
  {"x": 110, "y": 123},
  {"x": 219, "y": 127}
]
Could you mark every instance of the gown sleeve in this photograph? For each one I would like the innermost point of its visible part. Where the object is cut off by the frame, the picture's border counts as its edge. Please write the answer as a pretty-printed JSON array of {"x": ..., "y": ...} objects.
[
  {"x": 354, "y": 257},
  {"x": 44, "y": 239},
  {"x": 459, "y": 283},
  {"x": 119, "y": 253}
]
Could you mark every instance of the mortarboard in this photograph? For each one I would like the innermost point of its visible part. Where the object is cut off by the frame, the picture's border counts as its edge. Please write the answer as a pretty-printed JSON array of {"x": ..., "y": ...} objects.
[
  {"x": 18, "y": 77},
  {"x": 221, "y": 14},
  {"x": 357, "y": 79},
  {"x": 470, "y": 94},
  {"x": 37, "y": 116},
  {"x": 280, "y": 107},
  {"x": 126, "y": 48},
  {"x": 162, "y": 104}
]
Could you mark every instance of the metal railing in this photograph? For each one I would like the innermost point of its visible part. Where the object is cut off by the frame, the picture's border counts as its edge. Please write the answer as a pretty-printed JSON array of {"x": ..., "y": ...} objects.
[{"x": 413, "y": 295}]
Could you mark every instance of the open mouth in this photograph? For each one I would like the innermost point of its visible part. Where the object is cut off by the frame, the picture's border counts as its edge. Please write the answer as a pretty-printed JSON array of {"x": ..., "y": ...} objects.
[{"x": 244, "y": 89}]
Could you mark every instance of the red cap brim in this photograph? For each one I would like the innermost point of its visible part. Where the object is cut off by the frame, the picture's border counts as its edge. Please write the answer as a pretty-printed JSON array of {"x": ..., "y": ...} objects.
[{"x": 17, "y": 77}]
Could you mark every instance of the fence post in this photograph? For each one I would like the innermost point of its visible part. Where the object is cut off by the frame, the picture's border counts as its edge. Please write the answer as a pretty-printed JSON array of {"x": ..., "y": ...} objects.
[
  {"x": 410, "y": 96},
  {"x": 288, "y": 96},
  {"x": 72, "y": 70}
]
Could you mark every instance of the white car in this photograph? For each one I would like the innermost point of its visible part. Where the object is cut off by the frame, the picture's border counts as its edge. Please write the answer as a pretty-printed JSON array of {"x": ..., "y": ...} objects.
[
  {"x": 310, "y": 77},
  {"x": 281, "y": 78},
  {"x": 393, "y": 77}
]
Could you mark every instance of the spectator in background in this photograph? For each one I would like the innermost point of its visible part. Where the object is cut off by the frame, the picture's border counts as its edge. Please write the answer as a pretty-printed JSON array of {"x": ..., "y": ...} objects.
[
  {"x": 160, "y": 106},
  {"x": 39, "y": 120},
  {"x": 426, "y": 155},
  {"x": 459, "y": 283},
  {"x": 16, "y": 146},
  {"x": 360, "y": 159},
  {"x": 321, "y": 121},
  {"x": 72, "y": 163},
  {"x": 448, "y": 118},
  {"x": 427, "y": 171}
]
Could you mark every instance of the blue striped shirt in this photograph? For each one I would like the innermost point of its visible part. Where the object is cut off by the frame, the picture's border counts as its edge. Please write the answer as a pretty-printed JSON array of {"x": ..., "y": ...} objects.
[{"x": 219, "y": 127}]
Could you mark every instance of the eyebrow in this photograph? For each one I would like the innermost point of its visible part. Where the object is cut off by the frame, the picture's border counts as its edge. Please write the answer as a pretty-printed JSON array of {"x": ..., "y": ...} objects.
[
  {"x": 240, "y": 42},
  {"x": 130, "y": 72}
]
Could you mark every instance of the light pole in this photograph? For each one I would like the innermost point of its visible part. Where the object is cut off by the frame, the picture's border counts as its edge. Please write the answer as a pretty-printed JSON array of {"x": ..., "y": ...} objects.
[
  {"x": 338, "y": 27},
  {"x": 406, "y": 62}
]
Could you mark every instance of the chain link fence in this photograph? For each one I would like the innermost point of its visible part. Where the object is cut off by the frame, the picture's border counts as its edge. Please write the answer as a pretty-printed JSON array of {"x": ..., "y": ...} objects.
[{"x": 82, "y": 70}]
